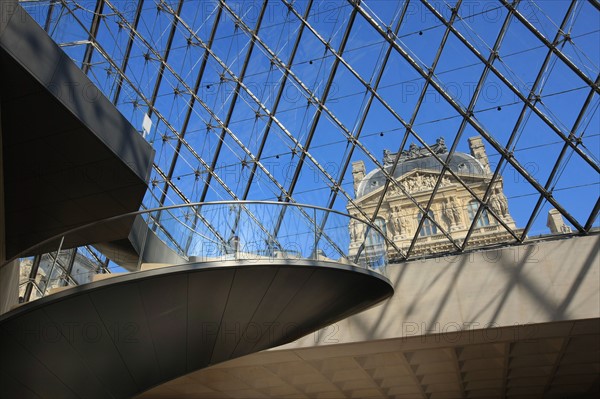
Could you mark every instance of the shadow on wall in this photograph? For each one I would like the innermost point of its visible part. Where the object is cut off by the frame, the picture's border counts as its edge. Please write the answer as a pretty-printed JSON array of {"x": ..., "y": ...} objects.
[{"x": 541, "y": 282}]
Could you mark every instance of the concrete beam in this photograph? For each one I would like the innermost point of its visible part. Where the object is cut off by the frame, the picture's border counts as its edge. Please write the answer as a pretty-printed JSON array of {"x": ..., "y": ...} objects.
[{"x": 545, "y": 281}]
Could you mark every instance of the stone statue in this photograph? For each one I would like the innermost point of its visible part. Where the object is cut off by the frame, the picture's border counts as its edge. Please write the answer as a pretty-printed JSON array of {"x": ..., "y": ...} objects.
[
  {"x": 352, "y": 230},
  {"x": 403, "y": 221},
  {"x": 396, "y": 224},
  {"x": 494, "y": 204},
  {"x": 451, "y": 211},
  {"x": 414, "y": 151},
  {"x": 503, "y": 202},
  {"x": 388, "y": 157},
  {"x": 454, "y": 208},
  {"x": 440, "y": 146},
  {"x": 447, "y": 212}
]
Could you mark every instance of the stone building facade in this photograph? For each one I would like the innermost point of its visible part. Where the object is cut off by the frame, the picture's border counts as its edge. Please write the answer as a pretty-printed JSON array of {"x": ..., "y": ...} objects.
[{"x": 453, "y": 207}]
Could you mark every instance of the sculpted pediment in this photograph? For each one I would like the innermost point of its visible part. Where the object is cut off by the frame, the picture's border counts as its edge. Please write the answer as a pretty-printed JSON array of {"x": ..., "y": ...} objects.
[{"x": 417, "y": 181}]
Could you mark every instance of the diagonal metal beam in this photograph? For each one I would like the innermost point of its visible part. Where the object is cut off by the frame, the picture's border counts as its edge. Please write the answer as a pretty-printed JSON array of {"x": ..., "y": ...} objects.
[
  {"x": 314, "y": 100},
  {"x": 51, "y": 6},
  {"x": 557, "y": 165},
  {"x": 125, "y": 62},
  {"x": 551, "y": 46},
  {"x": 527, "y": 105},
  {"x": 197, "y": 215},
  {"x": 95, "y": 25},
  {"x": 190, "y": 108},
  {"x": 503, "y": 152},
  {"x": 363, "y": 118},
  {"x": 317, "y": 116},
  {"x": 164, "y": 59},
  {"x": 425, "y": 214},
  {"x": 32, "y": 275},
  {"x": 263, "y": 108},
  {"x": 145, "y": 100},
  {"x": 214, "y": 116},
  {"x": 515, "y": 130},
  {"x": 234, "y": 99},
  {"x": 278, "y": 96},
  {"x": 511, "y": 87},
  {"x": 593, "y": 216},
  {"x": 397, "y": 116}
]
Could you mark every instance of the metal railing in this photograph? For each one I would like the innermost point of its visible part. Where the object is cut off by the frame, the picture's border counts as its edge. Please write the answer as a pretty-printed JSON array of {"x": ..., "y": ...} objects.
[{"x": 249, "y": 231}]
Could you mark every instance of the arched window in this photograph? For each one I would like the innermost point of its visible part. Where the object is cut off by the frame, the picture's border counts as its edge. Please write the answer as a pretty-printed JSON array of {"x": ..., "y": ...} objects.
[
  {"x": 380, "y": 222},
  {"x": 484, "y": 219},
  {"x": 375, "y": 248},
  {"x": 428, "y": 227},
  {"x": 373, "y": 237}
]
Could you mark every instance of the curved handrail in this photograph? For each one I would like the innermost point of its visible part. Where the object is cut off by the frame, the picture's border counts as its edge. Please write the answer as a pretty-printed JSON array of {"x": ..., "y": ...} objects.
[{"x": 349, "y": 250}]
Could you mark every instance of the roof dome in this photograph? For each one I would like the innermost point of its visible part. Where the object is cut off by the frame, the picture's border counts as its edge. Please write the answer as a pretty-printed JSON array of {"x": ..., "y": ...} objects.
[{"x": 460, "y": 163}]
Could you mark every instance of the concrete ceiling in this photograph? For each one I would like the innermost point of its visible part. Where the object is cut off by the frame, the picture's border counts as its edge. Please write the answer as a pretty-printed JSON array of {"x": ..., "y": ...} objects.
[{"x": 551, "y": 360}]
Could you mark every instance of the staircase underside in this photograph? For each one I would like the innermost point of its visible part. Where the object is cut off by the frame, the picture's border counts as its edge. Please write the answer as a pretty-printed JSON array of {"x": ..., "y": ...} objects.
[{"x": 121, "y": 336}]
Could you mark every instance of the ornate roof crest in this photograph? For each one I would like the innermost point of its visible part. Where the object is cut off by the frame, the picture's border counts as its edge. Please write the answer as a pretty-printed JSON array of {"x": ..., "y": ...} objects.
[{"x": 414, "y": 151}]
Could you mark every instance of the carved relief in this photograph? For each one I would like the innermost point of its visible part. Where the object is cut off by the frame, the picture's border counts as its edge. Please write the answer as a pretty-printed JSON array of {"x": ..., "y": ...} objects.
[{"x": 422, "y": 182}]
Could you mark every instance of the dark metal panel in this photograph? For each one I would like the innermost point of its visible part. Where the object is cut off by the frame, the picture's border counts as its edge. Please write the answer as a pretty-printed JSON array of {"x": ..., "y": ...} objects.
[
  {"x": 141, "y": 246},
  {"x": 247, "y": 292},
  {"x": 34, "y": 50},
  {"x": 319, "y": 295},
  {"x": 27, "y": 370},
  {"x": 94, "y": 341},
  {"x": 103, "y": 120},
  {"x": 12, "y": 388},
  {"x": 121, "y": 307},
  {"x": 7, "y": 9},
  {"x": 31, "y": 46},
  {"x": 261, "y": 330},
  {"x": 48, "y": 342},
  {"x": 165, "y": 301},
  {"x": 205, "y": 313}
]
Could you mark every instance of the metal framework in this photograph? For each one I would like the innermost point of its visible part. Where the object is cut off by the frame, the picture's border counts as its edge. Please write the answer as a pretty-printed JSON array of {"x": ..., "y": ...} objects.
[{"x": 287, "y": 94}]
